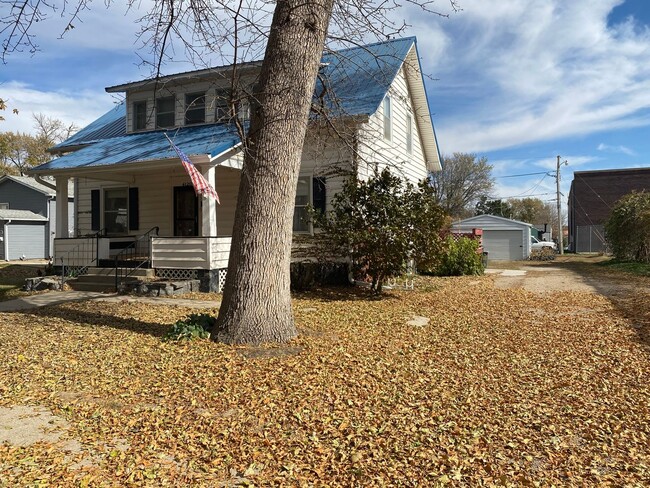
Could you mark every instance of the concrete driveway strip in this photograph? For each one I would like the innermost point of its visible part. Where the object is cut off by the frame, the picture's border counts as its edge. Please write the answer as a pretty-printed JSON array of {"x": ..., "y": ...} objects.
[
  {"x": 58, "y": 297},
  {"x": 45, "y": 299}
]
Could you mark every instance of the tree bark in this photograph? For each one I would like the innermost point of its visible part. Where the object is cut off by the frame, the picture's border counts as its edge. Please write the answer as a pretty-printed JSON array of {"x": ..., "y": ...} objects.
[{"x": 256, "y": 304}]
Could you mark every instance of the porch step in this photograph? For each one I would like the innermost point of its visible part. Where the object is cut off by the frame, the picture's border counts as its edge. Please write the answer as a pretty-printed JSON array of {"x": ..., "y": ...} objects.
[
  {"x": 103, "y": 279},
  {"x": 142, "y": 261}
]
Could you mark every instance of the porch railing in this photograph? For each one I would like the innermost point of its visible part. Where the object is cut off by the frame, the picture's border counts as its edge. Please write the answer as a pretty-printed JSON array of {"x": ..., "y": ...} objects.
[
  {"x": 134, "y": 256},
  {"x": 77, "y": 260}
]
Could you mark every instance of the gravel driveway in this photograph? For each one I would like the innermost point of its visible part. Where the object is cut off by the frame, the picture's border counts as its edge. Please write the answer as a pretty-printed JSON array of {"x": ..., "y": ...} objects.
[{"x": 569, "y": 273}]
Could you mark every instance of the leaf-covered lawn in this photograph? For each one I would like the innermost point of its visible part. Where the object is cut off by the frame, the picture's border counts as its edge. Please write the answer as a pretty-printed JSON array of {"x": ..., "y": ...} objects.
[{"x": 502, "y": 387}]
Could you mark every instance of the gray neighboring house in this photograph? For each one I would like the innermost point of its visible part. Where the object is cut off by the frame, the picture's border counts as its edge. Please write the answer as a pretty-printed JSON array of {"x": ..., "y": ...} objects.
[
  {"x": 503, "y": 239},
  {"x": 28, "y": 217}
]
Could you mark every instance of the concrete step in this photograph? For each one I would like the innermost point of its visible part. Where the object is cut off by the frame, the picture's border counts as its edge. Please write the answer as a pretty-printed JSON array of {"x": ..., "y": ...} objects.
[
  {"x": 103, "y": 279},
  {"x": 137, "y": 273},
  {"x": 90, "y": 286}
]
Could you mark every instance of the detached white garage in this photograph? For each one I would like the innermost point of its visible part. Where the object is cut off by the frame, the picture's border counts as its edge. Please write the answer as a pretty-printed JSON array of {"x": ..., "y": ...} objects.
[{"x": 503, "y": 239}]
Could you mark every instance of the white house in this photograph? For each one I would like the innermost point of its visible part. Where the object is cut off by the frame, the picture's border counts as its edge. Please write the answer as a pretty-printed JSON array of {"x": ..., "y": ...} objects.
[{"x": 131, "y": 188}]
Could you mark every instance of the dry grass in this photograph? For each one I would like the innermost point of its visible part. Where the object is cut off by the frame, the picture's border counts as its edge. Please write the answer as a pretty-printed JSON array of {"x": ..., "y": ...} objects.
[{"x": 503, "y": 387}]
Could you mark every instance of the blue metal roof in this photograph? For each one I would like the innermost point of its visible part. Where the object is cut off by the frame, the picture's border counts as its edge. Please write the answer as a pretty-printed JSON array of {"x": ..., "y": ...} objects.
[
  {"x": 111, "y": 124},
  {"x": 203, "y": 139},
  {"x": 358, "y": 78},
  {"x": 352, "y": 82}
]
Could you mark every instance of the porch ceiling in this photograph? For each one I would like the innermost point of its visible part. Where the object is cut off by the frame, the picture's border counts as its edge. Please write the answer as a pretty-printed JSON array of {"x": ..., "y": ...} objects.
[{"x": 202, "y": 143}]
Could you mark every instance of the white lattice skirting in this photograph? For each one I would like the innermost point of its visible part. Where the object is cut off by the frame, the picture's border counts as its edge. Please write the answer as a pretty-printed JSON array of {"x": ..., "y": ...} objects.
[
  {"x": 222, "y": 279},
  {"x": 177, "y": 274}
]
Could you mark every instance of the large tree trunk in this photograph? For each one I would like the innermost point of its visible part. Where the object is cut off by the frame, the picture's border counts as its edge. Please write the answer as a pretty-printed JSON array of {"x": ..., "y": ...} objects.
[{"x": 256, "y": 304}]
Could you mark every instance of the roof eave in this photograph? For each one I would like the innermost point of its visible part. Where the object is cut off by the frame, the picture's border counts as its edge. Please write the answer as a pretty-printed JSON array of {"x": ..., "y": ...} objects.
[
  {"x": 180, "y": 77},
  {"x": 418, "y": 91}
]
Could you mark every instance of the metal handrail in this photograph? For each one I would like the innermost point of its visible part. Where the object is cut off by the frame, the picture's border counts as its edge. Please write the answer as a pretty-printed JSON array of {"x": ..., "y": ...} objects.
[
  {"x": 130, "y": 253},
  {"x": 82, "y": 250}
]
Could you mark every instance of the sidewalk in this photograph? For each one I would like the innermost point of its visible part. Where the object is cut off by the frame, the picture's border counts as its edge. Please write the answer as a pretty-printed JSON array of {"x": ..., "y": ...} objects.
[{"x": 58, "y": 297}]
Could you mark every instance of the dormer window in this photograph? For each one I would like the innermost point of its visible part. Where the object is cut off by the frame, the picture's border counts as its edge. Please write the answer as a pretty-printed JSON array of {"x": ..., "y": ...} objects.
[
  {"x": 244, "y": 111},
  {"x": 194, "y": 108},
  {"x": 140, "y": 115},
  {"x": 388, "y": 115},
  {"x": 165, "y": 112},
  {"x": 222, "y": 112},
  {"x": 221, "y": 103}
]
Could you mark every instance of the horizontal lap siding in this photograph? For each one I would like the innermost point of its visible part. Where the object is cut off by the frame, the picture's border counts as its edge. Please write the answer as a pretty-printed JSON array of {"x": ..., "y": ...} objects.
[
  {"x": 155, "y": 199},
  {"x": 180, "y": 253},
  {"x": 227, "y": 186},
  {"x": 379, "y": 152},
  {"x": 21, "y": 197},
  {"x": 327, "y": 156}
]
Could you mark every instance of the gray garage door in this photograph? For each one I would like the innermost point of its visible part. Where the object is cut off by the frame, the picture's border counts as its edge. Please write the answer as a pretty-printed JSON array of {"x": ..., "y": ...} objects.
[
  {"x": 503, "y": 245},
  {"x": 26, "y": 239}
]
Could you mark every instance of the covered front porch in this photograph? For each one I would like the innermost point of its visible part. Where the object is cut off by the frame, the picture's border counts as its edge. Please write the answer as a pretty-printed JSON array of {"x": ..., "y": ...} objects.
[{"x": 146, "y": 215}]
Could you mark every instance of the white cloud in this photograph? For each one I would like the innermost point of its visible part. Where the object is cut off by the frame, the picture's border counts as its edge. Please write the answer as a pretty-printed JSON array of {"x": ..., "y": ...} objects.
[
  {"x": 543, "y": 69},
  {"x": 79, "y": 108},
  {"x": 616, "y": 149}
]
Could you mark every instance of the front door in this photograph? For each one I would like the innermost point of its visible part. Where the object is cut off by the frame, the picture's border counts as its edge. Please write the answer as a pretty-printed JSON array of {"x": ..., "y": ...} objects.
[{"x": 186, "y": 211}]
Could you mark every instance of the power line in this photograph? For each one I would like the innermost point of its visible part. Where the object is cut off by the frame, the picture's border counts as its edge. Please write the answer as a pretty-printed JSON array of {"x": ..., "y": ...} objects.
[{"x": 524, "y": 174}]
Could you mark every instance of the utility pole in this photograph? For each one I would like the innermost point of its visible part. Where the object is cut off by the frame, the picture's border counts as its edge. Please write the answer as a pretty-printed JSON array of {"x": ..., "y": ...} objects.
[{"x": 560, "y": 238}]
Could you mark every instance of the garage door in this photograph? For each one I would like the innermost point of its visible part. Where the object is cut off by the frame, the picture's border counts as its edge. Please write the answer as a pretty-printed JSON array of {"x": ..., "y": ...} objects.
[
  {"x": 503, "y": 245},
  {"x": 27, "y": 240}
]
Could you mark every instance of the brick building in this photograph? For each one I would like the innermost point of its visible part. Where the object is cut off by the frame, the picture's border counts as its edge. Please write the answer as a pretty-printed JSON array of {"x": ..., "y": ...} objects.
[{"x": 591, "y": 199}]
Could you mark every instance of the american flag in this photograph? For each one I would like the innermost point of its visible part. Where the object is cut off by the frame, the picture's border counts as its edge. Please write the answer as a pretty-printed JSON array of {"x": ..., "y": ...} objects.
[{"x": 200, "y": 184}]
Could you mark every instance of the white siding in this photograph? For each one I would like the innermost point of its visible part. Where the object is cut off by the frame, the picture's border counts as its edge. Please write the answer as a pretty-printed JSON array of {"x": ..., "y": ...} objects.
[
  {"x": 156, "y": 198},
  {"x": 227, "y": 186},
  {"x": 326, "y": 155},
  {"x": 377, "y": 152}
]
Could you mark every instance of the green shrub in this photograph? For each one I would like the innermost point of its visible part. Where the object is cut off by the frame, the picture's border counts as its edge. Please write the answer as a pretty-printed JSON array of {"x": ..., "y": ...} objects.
[
  {"x": 382, "y": 224},
  {"x": 628, "y": 228},
  {"x": 195, "y": 326},
  {"x": 461, "y": 258}
]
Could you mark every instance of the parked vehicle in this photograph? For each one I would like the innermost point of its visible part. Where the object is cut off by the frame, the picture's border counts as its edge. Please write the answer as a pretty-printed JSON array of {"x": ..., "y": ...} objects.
[{"x": 535, "y": 243}]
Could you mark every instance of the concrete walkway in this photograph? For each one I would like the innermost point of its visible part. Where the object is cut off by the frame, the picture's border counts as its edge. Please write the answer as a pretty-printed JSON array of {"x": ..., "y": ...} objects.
[{"x": 58, "y": 297}]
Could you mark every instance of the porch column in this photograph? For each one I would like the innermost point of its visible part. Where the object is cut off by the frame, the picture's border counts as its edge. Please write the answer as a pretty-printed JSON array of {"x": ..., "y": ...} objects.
[
  {"x": 62, "y": 207},
  {"x": 209, "y": 207}
]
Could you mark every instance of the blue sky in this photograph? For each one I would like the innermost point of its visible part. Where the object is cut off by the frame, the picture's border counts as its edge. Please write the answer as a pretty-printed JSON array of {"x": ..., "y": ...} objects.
[{"x": 517, "y": 81}]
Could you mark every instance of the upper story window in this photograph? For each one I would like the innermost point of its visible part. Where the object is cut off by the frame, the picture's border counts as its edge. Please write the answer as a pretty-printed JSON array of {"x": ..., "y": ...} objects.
[
  {"x": 4, "y": 206},
  {"x": 223, "y": 110},
  {"x": 222, "y": 106},
  {"x": 194, "y": 108},
  {"x": 388, "y": 118},
  {"x": 166, "y": 112},
  {"x": 140, "y": 115},
  {"x": 409, "y": 133},
  {"x": 244, "y": 111}
]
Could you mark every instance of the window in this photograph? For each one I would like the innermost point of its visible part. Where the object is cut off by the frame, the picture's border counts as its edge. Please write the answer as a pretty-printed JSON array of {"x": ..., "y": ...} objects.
[
  {"x": 222, "y": 109},
  {"x": 116, "y": 210},
  {"x": 194, "y": 108},
  {"x": 4, "y": 206},
  {"x": 309, "y": 191},
  {"x": 165, "y": 112},
  {"x": 409, "y": 133},
  {"x": 387, "y": 118},
  {"x": 244, "y": 111},
  {"x": 140, "y": 115},
  {"x": 300, "y": 216}
]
